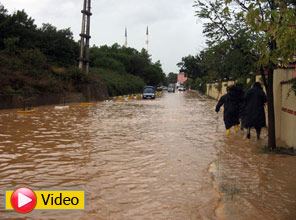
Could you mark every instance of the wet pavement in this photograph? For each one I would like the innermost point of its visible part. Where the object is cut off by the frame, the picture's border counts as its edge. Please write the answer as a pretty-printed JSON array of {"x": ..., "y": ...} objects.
[{"x": 162, "y": 159}]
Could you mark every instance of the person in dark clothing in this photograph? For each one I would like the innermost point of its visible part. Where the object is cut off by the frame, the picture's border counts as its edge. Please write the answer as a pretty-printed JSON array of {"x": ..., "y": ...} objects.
[
  {"x": 231, "y": 104},
  {"x": 254, "y": 114},
  {"x": 241, "y": 94}
]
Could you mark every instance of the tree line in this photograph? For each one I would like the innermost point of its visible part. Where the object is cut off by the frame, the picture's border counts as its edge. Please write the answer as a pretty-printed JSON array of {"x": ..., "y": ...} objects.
[
  {"x": 44, "y": 59},
  {"x": 19, "y": 33},
  {"x": 127, "y": 66}
]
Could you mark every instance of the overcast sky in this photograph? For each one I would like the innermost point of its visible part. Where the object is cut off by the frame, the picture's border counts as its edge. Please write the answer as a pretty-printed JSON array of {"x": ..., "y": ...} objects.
[{"x": 173, "y": 29}]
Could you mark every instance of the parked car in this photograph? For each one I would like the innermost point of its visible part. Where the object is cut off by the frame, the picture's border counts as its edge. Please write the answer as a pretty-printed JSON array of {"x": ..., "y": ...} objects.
[
  {"x": 149, "y": 92},
  {"x": 164, "y": 88},
  {"x": 181, "y": 88},
  {"x": 171, "y": 87}
]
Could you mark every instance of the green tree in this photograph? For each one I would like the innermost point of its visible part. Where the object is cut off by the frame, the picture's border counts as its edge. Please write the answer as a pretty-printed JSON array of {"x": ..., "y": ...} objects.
[
  {"x": 109, "y": 63},
  {"x": 58, "y": 45},
  {"x": 3, "y": 25},
  {"x": 227, "y": 31},
  {"x": 18, "y": 32},
  {"x": 213, "y": 61},
  {"x": 154, "y": 74},
  {"x": 3, "y": 13},
  {"x": 20, "y": 25},
  {"x": 190, "y": 65},
  {"x": 172, "y": 77},
  {"x": 128, "y": 60}
]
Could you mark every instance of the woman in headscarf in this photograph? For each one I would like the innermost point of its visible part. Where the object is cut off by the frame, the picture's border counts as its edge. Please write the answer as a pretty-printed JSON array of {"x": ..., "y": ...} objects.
[{"x": 254, "y": 114}]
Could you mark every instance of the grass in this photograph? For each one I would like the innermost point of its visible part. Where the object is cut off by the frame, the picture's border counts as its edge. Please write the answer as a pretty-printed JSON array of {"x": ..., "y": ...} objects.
[{"x": 20, "y": 77}]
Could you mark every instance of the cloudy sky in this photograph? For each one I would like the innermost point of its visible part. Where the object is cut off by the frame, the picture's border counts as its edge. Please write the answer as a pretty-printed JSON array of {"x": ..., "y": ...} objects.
[{"x": 173, "y": 29}]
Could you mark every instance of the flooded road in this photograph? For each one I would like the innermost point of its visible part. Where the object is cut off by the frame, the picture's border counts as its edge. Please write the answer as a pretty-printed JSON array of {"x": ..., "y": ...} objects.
[{"x": 163, "y": 159}]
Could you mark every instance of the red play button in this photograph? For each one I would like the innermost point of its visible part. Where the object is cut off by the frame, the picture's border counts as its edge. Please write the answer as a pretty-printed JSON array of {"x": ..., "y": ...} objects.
[{"x": 23, "y": 200}]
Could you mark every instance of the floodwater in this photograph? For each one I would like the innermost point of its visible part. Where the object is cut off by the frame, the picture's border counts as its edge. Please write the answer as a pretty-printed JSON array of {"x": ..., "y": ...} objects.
[{"x": 163, "y": 159}]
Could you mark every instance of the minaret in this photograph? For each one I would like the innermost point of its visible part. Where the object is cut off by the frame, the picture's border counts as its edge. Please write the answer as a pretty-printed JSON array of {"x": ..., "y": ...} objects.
[
  {"x": 125, "y": 42},
  {"x": 147, "y": 41},
  {"x": 85, "y": 36}
]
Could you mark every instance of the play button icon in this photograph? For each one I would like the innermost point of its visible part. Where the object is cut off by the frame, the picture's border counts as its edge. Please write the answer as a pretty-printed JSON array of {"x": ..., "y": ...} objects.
[{"x": 23, "y": 200}]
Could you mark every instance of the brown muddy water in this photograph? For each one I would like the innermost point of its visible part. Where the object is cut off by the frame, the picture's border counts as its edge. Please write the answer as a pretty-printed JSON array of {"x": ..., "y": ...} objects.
[{"x": 163, "y": 159}]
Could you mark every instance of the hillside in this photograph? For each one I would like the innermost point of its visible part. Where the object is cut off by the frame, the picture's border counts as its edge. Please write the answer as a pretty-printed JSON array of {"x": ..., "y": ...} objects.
[{"x": 44, "y": 60}]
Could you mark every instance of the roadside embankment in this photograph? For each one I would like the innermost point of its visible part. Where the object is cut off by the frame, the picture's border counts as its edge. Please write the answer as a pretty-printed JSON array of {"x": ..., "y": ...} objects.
[{"x": 90, "y": 92}]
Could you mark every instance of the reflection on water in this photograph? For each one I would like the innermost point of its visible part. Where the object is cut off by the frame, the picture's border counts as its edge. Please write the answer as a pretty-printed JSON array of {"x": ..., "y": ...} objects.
[{"x": 167, "y": 158}]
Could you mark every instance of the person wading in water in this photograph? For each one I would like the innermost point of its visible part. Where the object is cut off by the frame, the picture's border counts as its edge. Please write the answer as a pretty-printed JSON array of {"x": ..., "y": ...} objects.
[
  {"x": 254, "y": 114},
  {"x": 231, "y": 102}
]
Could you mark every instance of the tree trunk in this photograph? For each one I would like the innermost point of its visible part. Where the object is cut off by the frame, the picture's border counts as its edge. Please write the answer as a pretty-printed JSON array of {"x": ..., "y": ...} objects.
[{"x": 271, "y": 120}]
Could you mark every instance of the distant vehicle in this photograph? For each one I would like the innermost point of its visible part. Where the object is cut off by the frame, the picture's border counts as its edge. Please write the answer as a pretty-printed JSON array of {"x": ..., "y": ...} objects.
[
  {"x": 181, "y": 88},
  {"x": 171, "y": 87},
  {"x": 159, "y": 88},
  {"x": 149, "y": 92},
  {"x": 164, "y": 88}
]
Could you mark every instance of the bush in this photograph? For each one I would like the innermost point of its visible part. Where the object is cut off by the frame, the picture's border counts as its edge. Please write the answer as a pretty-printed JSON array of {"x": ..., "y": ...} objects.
[
  {"x": 10, "y": 45},
  {"x": 200, "y": 85},
  {"x": 119, "y": 84},
  {"x": 34, "y": 58},
  {"x": 109, "y": 63}
]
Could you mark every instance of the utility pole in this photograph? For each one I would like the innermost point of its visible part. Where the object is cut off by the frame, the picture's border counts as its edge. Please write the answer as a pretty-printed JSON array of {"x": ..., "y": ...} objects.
[
  {"x": 147, "y": 41},
  {"x": 125, "y": 42},
  {"x": 85, "y": 36}
]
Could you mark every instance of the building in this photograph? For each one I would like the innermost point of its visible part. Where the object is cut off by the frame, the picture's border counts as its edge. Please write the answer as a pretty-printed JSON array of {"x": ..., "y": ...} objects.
[{"x": 181, "y": 78}]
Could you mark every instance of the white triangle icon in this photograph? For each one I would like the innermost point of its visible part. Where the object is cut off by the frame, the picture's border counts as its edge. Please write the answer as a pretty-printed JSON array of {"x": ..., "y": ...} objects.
[{"x": 23, "y": 200}]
